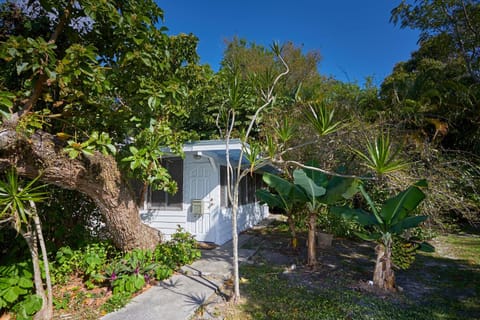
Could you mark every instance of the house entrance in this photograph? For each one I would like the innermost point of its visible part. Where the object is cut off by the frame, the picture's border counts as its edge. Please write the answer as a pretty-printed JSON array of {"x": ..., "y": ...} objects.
[{"x": 199, "y": 185}]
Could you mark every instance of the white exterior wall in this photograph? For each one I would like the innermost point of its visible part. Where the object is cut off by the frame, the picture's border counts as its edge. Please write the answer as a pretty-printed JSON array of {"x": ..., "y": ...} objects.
[
  {"x": 248, "y": 216},
  {"x": 201, "y": 179}
]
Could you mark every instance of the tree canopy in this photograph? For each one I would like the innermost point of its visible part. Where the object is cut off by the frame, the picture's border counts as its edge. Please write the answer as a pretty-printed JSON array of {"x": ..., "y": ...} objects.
[{"x": 101, "y": 84}]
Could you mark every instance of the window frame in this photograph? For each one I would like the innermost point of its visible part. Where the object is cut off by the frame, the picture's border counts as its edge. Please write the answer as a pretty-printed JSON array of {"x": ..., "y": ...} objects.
[{"x": 169, "y": 202}]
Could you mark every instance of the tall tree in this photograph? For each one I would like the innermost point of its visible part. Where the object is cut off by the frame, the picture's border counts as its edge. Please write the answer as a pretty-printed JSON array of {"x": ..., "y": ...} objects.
[
  {"x": 438, "y": 88},
  {"x": 454, "y": 23},
  {"x": 89, "y": 91}
]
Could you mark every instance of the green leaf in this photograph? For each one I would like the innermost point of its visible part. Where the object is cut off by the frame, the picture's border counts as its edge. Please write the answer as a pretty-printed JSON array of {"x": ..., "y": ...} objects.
[
  {"x": 282, "y": 186},
  {"x": 398, "y": 207},
  {"x": 25, "y": 283},
  {"x": 273, "y": 200},
  {"x": 139, "y": 281},
  {"x": 337, "y": 188},
  {"x": 133, "y": 150},
  {"x": 10, "y": 295},
  {"x": 32, "y": 304},
  {"x": 368, "y": 237},
  {"x": 426, "y": 247},
  {"x": 308, "y": 185},
  {"x": 407, "y": 223},
  {"x": 362, "y": 217}
]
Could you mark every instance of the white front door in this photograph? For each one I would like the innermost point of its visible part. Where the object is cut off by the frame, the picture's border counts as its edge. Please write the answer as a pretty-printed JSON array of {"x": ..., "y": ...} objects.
[{"x": 199, "y": 184}]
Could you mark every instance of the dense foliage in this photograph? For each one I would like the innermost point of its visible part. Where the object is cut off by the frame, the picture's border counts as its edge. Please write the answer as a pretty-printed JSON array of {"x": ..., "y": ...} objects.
[{"x": 99, "y": 266}]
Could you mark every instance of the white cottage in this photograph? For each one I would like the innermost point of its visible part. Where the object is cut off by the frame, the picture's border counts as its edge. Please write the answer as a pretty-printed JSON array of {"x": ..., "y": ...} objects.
[{"x": 201, "y": 204}]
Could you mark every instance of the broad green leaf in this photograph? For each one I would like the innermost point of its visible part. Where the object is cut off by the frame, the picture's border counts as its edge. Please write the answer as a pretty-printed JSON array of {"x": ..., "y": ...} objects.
[
  {"x": 362, "y": 217},
  {"x": 32, "y": 304},
  {"x": 319, "y": 178},
  {"x": 273, "y": 200},
  {"x": 312, "y": 190},
  {"x": 11, "y": 294},
  {"x": 337, "y": 188},
  {"x": 407, "y": 223},
  {"x": 25, "y": 283},
  {"x": 368, "y": 237},
  {"x": 398, "y": 207},
  {"x": 282, "y": 186}
]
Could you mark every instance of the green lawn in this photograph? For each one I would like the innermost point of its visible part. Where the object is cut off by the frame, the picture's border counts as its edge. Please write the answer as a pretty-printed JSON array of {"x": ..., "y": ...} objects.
[{"x": 436, "y": 287}]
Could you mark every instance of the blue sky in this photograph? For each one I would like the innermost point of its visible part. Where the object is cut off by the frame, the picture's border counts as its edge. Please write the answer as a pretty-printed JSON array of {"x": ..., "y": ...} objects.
[{"x": 354, "y": 37}]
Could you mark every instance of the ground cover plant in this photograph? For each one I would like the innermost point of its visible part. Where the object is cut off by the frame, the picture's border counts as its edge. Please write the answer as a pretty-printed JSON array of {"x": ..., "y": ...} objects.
[{"x": 95, "y": 279}]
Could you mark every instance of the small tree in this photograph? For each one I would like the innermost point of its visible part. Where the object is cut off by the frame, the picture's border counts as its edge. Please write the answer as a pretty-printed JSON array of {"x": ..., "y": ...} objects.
[
  {"x": 392, "y": 219},
  {"x": 17, "y": 203},
  {"x": 238, "y": 170}
]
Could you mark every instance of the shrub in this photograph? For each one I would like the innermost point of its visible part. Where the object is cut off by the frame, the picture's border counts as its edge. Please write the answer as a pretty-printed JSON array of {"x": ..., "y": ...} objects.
[{"x": 16, "y": 290}]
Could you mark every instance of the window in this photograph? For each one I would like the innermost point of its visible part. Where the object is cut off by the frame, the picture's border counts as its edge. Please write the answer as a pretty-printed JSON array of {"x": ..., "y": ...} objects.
[
  {"x": 248, "y": 187},
  {"x": 223, "y": 187},
  {"x": 162, "y": 199}
]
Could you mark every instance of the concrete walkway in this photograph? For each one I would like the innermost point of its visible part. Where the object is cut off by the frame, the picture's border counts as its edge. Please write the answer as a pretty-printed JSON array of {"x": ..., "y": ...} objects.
[{"x": 178, "y": 297}]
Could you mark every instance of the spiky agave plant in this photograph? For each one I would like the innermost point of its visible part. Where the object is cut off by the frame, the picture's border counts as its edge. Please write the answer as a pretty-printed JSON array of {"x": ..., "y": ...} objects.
[{"x": 381, "y": 156}]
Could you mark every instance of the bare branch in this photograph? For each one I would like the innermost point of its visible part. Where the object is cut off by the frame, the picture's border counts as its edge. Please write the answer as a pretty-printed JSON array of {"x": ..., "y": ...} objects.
[
  {"x": 331, "y": 173},
  {"x": 6, "y": 220}
]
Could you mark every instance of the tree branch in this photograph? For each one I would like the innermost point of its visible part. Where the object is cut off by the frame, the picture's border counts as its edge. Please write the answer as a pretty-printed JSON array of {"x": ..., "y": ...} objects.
[
  {"x": 42, "y": 79},
  {"x": 331, "y": 173}
]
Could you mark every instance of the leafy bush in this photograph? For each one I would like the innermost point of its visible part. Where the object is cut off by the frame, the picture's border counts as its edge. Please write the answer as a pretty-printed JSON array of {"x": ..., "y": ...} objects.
[
  {"x": 16, "y": 290},
  {"x": 99, "y": 265},
  {"x": 88, "y": 262},
  {"x": 180, "y": 250}
]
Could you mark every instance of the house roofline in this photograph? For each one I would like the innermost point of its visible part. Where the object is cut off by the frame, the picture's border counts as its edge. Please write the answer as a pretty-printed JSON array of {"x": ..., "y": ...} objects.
[{"x": 212, "y": 145}]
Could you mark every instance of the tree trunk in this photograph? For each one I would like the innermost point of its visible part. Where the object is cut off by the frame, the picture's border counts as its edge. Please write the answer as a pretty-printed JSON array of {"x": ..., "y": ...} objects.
[
  {"x": 293, "y": 233},
  {"x": 236, "y": 271},
  {"x": 96, "y": 176},
  {"x": 312, "y": 252},
  {"x": 30, "y": 237},
  {"x": 47, "y": 306},
  {"x": 384, "y": 276}
]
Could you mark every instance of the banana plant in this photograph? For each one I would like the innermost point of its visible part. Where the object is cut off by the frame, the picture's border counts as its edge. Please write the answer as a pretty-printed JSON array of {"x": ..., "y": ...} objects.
[
  {"x": 321, "y": 191},
  {"x": 392, "y": 219},
  {"x": 287, "y": 197}
]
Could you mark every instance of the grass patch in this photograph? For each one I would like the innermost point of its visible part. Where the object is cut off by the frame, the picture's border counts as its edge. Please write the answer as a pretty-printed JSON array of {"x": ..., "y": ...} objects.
[
  {"x": 270, "y": 296},
  {"x": 462, "y": 246},
  {"x": 438, "y": 286}
]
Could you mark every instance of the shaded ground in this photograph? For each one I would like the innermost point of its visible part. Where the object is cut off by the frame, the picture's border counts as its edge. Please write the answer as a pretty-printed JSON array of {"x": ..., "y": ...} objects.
[{"x": 276, "y": 286}]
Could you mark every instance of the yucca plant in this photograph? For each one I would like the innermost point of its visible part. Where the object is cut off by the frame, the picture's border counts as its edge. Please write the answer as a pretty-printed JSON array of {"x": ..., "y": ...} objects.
[
  {"x": 17, "y": 205},
  {"x": 15, "y": 199},
  {"x": 381, "y": 156},
  {"x": 321, "y": 118}
]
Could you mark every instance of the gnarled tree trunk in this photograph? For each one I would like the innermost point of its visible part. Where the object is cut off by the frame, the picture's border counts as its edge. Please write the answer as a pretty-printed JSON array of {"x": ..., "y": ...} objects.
[
  {"x": 96, "y": 176},
  {"x": 384, "y": 276}
]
